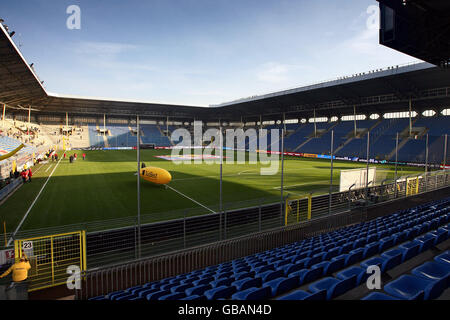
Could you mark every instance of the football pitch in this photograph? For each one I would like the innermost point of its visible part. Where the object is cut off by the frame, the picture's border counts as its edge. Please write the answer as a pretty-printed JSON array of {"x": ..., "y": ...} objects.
[{"x": 104, "y": 186}]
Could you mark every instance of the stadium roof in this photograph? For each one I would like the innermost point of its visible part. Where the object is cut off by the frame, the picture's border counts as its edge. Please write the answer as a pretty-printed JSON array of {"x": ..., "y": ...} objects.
[
  {"x": 420, "y": 28},
  {"x": 387, "y": 90}
]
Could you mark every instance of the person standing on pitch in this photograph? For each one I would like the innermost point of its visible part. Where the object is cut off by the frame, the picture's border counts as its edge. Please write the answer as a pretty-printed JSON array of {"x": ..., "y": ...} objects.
[
  {"x": 30, "y": 174},
  {"x": 84, "y": 156}
]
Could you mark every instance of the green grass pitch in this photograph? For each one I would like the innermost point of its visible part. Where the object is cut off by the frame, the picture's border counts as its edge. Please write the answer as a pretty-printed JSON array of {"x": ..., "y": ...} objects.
[{"x": 104, "y": 186}]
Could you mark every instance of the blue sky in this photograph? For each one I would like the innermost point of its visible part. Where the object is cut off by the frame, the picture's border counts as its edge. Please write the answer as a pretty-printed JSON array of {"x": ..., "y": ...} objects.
[{"x": 195, "y": 52}]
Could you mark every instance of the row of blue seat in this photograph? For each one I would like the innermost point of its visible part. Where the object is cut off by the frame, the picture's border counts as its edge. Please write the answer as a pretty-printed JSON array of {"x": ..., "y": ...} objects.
[
  {"x": 427, "y": 281},
  {"x": 355, "y": 275},
  {"x": 288, "y": 267}
]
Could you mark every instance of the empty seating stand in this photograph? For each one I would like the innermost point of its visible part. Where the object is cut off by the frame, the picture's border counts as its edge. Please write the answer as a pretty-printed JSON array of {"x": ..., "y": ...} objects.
[{"x": 326, "y": 266}]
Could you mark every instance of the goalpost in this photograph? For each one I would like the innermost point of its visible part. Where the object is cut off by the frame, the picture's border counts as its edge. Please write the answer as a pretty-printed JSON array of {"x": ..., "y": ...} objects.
[{"x": 356, "y": 178}]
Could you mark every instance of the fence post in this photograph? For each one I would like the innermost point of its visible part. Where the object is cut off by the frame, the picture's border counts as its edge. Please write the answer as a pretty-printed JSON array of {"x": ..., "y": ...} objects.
[
  {"x": 367, "y": 170},
  {"x": 426, "y": 164},
  {"x": 349, "y": 195},
  {"x": 445, "y": 152},
  {"x": 331, "y": 173},
  {"x": 184, "y": 230},
  {"x": 135, "y": 239},
  {"x": 309, "y": 205},
  {"x": 282, "y": 177},
  {"x": 396, "y": 159},
  {"x": 225, "y": 223},
  {"x": 259, "y": 215}
]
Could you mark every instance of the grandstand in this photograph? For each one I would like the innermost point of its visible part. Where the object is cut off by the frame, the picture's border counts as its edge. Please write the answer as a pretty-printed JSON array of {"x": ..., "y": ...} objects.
[{"x": 220, "y": 231}]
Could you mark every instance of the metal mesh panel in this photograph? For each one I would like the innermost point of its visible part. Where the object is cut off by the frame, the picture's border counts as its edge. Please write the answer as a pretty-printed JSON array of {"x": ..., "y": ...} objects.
[{"x": 50, "y": 256}]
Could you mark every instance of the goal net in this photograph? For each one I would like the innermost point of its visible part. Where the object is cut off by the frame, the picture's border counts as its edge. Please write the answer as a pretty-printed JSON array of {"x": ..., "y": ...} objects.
[{"x": 356, "y": 178}]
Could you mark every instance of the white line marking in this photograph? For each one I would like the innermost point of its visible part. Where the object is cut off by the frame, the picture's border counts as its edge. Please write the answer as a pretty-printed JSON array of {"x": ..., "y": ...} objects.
[
  {"x": 38, "y": 169},
  {"x": 301, "y": 184},
  {"x": 49, "y": 167},
  {"x": 242, "y": 172},
  {"x": 190, "y": 198},
  {"x": 32, "y": 205},
  {"x": 217, "y": 176}
]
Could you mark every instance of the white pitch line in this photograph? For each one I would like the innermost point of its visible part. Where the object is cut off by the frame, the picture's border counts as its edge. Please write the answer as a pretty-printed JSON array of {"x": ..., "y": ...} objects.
[
  {"x": 301, "y": 184},
  {"x": 38, "y": 169},
  {"x": 242, "y": 172},
  {"x": 49, "y": 167},
  {"x": 216, "y": 176},
  {"x": 190, "y": 198},
  {"x": 32, "y": 204}
]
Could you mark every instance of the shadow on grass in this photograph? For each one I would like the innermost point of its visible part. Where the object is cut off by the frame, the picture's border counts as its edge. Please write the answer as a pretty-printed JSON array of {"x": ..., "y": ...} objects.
[{"x": 95, "y": 197}]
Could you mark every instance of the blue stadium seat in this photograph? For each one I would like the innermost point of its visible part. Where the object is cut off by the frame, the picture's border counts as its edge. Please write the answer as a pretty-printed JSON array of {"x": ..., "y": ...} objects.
[
  {"x": 290, "y": 268},
  {"x": 194, "y": 297},
  {"x": 443, "y": 257},
  {"x": 173, "y": 296},
  {"x": 354, "y": 256},
  {"x": 300, "y": 256},
  {"x": 241, "y": 269},
  {"x": 270, "y": 275},
  {"x": 379, "y": 296},
  {"x": 247, "y": 283},
  {"x": 411, "y": 287},
  {"x": 334, "y": 287},
  {"x": 377, "y": 261},
  {"x": 360, "y": 273},
  {"x": 332, "y": 253},
  {"x": 386, "y": 243},
  {"x": 202, "y": 281},
  {"x": 220, "y": 292},
  {"x": 184, "y": 281},
  {"x": 441, "y": 235},
  {"x": 180, "y": 288},
  {"x": 111, "y": 295},
  {"x": 243, "y": 275},
  {"x": 307, "y": 275},
  {"x": 400, "y": 237},
  {"x": 281, "y": 263},
  {"x": 304, "y": 295},
  {"x": 222, "y": 282},
  {"x": 427, "y": 241},
  {"x": 263, "y": 268},
  {"x": 433, "y": 271},
  {"x": 411, "y": 249},
  {"x": 145, "y": 291},
  {"x": 281, "y": 285},
  {"x": 391, "y": 262},
  {"x": 197, "y": 290},
  {"x": 303, "y": 262},
  {"x": 156, "y": 295},
  {"x": 223, "y": 275},
  {"x": 253, "y": 294},
  {"x": 359, "y": 243}
]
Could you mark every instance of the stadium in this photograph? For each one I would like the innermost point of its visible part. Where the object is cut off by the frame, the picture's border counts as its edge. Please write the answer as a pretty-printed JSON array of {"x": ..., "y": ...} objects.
[{"x": 315, "y": 185}]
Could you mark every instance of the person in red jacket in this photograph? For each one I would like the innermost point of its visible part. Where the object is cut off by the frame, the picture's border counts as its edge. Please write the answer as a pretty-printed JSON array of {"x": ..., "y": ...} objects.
[
  {"x": 84, "y": 156},
  {"x": 30, "y": 174},
  {"x": 24, "y": 175}
]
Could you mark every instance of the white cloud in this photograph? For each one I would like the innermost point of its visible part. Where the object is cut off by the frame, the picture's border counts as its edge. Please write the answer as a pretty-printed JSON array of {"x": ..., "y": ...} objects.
[
  {"x": 276, "y": 73},
  {"x": 103, "y": 48}
]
